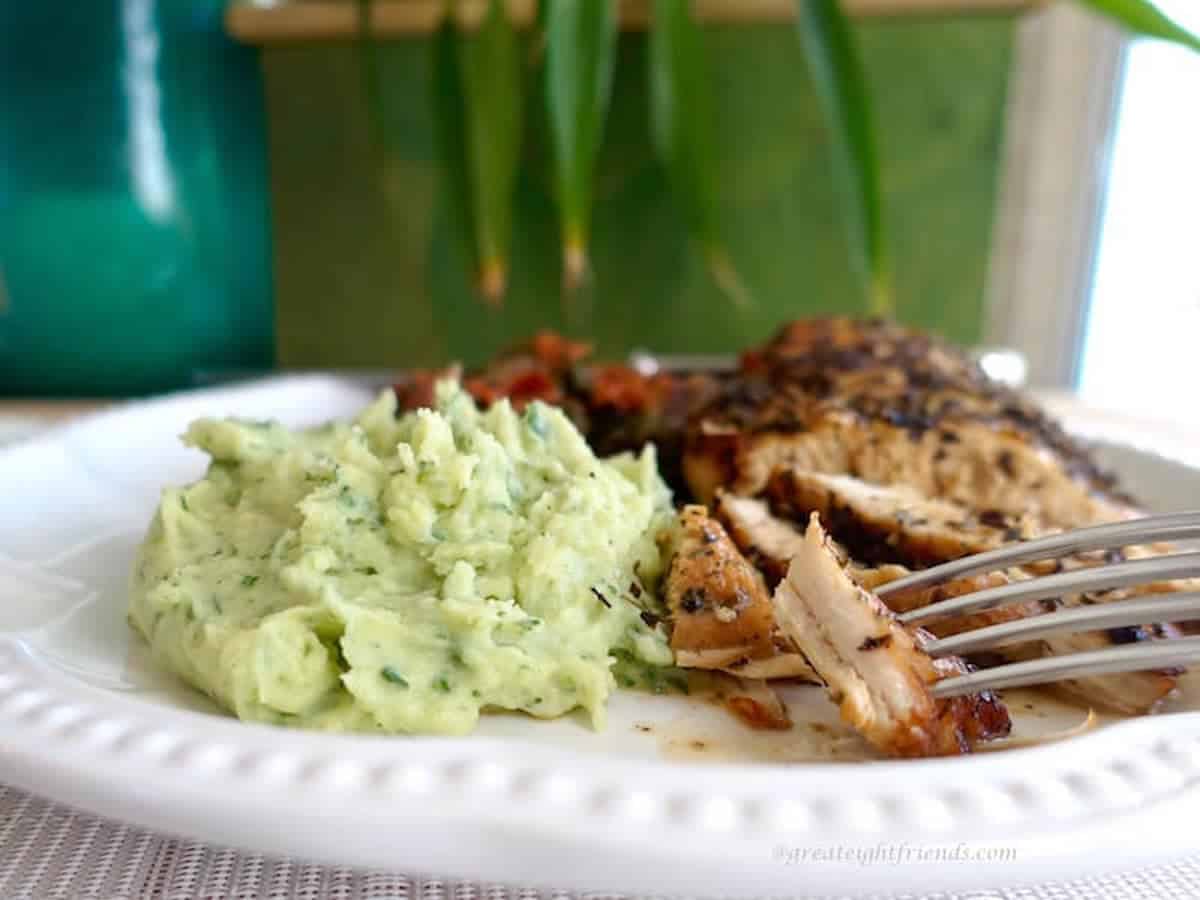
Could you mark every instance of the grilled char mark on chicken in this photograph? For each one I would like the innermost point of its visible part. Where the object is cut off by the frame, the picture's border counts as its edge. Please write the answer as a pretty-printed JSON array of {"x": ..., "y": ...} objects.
[
  {"x": 786, "y": 665},
  {"x": 892, "y": 407},
  {"x": 874, "y": 668}
]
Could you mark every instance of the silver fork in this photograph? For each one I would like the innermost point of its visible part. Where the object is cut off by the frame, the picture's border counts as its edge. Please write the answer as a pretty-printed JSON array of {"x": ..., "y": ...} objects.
[{"x": 1157, "y": 654}]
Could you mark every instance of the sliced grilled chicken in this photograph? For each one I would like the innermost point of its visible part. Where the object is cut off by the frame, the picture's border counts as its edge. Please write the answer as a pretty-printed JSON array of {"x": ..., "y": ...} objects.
[
  {"x": 720, "y": 606},
  {"x": 962, "y": 462},
  {"x": 872, "y": 578},
  {"x": 786, "y": 665},
  {"x": 766, "y": 540},
  {"x": 1131, "y": 693},
  {"x": 756, "y": 704},
  {"x": 874, "y": 669},
  {"x": 771, "y": 542},
  {"x": 892, "y": 407},
  {"x": 879, "y": 525},
  {"x": 897, "y": 525}
]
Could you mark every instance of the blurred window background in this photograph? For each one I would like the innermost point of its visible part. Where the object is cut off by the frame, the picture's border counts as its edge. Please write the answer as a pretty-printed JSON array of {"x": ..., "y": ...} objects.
[{"x": 1139, "y": 351}]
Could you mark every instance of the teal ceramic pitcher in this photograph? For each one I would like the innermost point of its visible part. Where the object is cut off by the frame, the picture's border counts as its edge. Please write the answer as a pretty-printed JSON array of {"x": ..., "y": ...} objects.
[{"x": 134, "y": 244}]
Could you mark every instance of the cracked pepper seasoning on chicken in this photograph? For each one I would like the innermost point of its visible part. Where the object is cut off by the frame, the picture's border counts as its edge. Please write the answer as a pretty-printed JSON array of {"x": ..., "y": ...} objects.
[{"x": 405, "y": 574}]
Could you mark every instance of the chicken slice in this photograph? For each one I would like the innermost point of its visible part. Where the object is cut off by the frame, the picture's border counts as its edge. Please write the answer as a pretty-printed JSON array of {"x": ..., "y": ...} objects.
[
  {"x": 1129, "y": 693},
  {"x": 873, "y": 666},
  {"x": 897, "y": 524},
  {"x": 958, "y": 461},
  {"x": 767, "y": 541},
  {"x": 894, "y": 524},
  {"x": 771, "y": 543},
  {"x": 721, "y": 608},
  {"x": 755, "y": 704},
  {"x": 893, "y": 407},
  {"x": 786, "y": 664}
]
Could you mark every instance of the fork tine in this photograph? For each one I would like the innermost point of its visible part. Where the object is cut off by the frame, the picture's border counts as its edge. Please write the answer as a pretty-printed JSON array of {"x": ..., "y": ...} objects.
[
  {"x": 1171, "y": 527},
  {"x": 1115, "y": 575},
  {"x": 1180, "y": 607},
  {"x": 1164, "y": 654}
]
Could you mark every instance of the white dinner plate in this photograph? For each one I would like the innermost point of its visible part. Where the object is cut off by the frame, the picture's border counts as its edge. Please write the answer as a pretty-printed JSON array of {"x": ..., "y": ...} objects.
[{"x": 674, "y": 796}]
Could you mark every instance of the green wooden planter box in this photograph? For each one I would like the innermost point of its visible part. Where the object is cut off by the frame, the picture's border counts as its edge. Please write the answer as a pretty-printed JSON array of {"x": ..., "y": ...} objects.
[{"x": 367, "y": 272}]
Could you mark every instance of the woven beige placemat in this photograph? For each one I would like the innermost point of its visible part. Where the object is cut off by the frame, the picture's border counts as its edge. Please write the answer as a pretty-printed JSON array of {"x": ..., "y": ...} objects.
[{"x": 51, "y": 852}]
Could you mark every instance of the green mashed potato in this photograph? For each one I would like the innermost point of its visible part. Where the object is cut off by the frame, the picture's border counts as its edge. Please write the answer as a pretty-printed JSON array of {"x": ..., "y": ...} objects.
[{"x": 405, "y": 574}]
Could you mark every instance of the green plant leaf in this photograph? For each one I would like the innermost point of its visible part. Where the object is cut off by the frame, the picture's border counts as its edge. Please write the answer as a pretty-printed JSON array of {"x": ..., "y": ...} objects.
[
  {"x": 537, "y": 45},
  {"x": 1144, "y": 18},
  {"x": 491, "y": 72},
  {"x": 450, "y": 133},
  {"x": 682, "y": 126},
  {"x": 581, "y": 50},
  {"x": 840, "y": 84}
]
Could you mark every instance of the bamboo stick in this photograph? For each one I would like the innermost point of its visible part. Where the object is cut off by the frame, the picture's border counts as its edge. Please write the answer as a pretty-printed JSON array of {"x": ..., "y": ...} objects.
[{"x": 282, "y": 21}]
